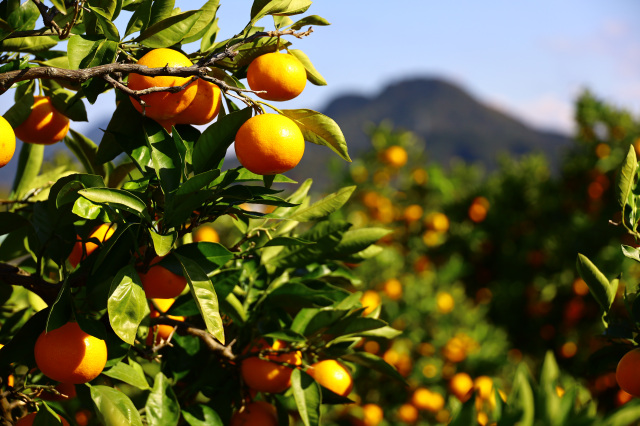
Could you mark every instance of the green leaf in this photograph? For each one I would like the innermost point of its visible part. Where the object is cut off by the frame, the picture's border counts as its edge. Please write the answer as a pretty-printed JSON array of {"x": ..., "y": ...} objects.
[
  {"x": 323, "y": 208},
  {"x": 140, "y": 18},
  {"x": 114, "y": 407},
  {"x": 86, "y": 209},
  {"x": 357, "y": 240},
  {"x": 69, "y": 104},
  {"x": 29, "y": 163},
  {"x": 9, "y": 222},
  {"x": 374, "y": 362},
  {"x": 520, "y": 405},
  {"x": 209, "y": 256},
  {"x": 308, "y": 397},
  {"x": 123, "y": 134},
  {"x": 162, "y": 244},
  {"x": 262, "y": 8},
  {"x": 626, "y": 177},
  {"x": 201, "y": 26},
  {"x": 46, "y": 417},
  {"x": 161, "y": 10},
  {"x": 310, "y": 20},
  {"x": 204, "y": 295},
  {"x": 131, "y": 374},
  {"x": 127, "y": 305},
  {"x": 33, "y": 44},
  {"x": 59, "y": 4},
  {"x": 108, "y": 28},
  {"x": 164, "y": 155},
  {"x": 79, "y": 49},
  {"x": 169, "y": 31},
  {"x": 599, "y": 285},
  {"x": 208, "y": 41},
  {"x": 312, "y": 74},
  {"x": 117, "y": 198},
  {"x": 624, "y": 416},
  {"x": 201, "y": 415},
  {"x": 20, "y": 110},
  {"x": 319, "y": 129},
  {"x": 212, "y": 145},
  {"x": 86, "y": 151},
  {"x": 24, "y": 18},
  {"x": 162, "y": 407},
  {"x": 60, "y": 312},
  {"x": 631, "y": 252}
]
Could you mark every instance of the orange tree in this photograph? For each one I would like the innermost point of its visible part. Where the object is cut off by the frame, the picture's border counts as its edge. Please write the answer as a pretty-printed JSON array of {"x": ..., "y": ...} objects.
[{"x": 175, "y": 331}]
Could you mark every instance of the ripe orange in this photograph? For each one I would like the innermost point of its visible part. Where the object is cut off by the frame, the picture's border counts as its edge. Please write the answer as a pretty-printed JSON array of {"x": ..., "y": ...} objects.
[
  {"x": 332, "y": 375},
  {"x": 282, "y": 76},
  {"x": 461, "y": 385},
  {"x": 412, "y": 213},
  {"x": 69, "y": 355},
  {"x": 437, "y": 221},
  {"x": 81, "y": 250},
  {"x": 268, "y": 144},
  {"x": 393, "y": 289},
  {"x": 373, "y": 415},
  {"x": 163, "y": 105},
  {"x": 395, "y": 156},
  {"x": 424, "y": 399},
  {"x": 407, "y": 413},
  {"x": 370, "y": 300},
  {"x": 45, "y": 125},
  {"x": 83, "y": 416},
  {"x": 7, "y": 142},
  {"x": 160, "y": 283},
  {"x": 28, "y": 420},
  {"x": 163, "y": 330},
  {"x": 445, "y": 302},
  {"x": 628, "y": 372},
  {"x": 207, "y": 234},
  {"x": 266, "y": 375},
  {"x": 257, "y": 413},
  {"x": 204, "y": 107}
]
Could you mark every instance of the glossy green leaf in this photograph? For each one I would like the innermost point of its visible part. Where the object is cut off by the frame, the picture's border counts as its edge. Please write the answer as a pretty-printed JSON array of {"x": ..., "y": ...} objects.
[
  {"x": 310, "y": 20},
  {"x": 20, "y": 110},
  {"x": 123, "y": 134},
  {"x": 164, "y": 155},
  {"x": 33, "y": 44},
  {"x": 108, "y": 28},
  {"x": 60, "y": 312},
  {"x": 162, "y": 407},
  {"x": 24, "y": 18},
  {"x": 308, "y": 397},
  {"x": 69, "y": 104},
  {"x": 86, "y": 151},
  {"x": 319, "y": 129},
  {"x": 79, "y": 49},
  {"x": 631, "y": 252},
  {"x": 46, "y": 416},
  {"x": 599, "y": 285},
  {"x": 169, "y": 31},
  {"x": 29, "y": 163},
  {"x": 201, "y": 26},
  {"x": 209, "y": 256},
  {"x": 127, "y": 305},
  {"x": 324, "y": 207},
  {"x": 205, "y": 296},
  {"x": 140, "y": 18},
  {"x": 312, "y": 74},
  {"x": 201, "y": 415},
  {"x": 132, "y": 374},
  {"x": 117, "y": 198},
  {"x": 59, "y": 4},
  {"x": 357, "y": 240},
  {"x": 626, "y": 177},
  {"x": 212, "y": 145},
  {"x": 262, "y": 8},
  {"x": 114, "y": 407},
  {"x": 161, "y": 10},
  {"x": 162, "y": 244},
  {"x": 86, "y": 209}
]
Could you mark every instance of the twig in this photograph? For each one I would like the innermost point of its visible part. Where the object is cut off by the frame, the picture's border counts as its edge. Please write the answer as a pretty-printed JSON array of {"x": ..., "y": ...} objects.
[
  {"x": 48, "y": 14},
  {"x": 204, "y": 335},
  {"x": 13, "y": 275}
]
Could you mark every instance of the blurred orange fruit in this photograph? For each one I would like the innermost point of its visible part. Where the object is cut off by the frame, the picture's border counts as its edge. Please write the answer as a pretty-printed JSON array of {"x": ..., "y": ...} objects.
[
  {"x": 257, "y": 413},
  {"x": 425, "y": 399},
  {"x": 163, "y": 105},
  {"x": 83, "y": 416},
  {"x": 392, "y": 288},
  {"x": 373, "y": 415},
  {"x": 395, "y": 156},
  {"x": 206, "y": 234},
  {"x": 445, "y": 302},
  {"x": 407, "y": 413},
  {"x": 332, "y": 375},
  {"x": 461, "y": 386},
  {"x": 281, "y": 75},
  {"x": 45, "y": 124},
  {"x": 370, "y": 300},
  {"x": 437, "y": 221},
  {"x": 268, "y": 144}
]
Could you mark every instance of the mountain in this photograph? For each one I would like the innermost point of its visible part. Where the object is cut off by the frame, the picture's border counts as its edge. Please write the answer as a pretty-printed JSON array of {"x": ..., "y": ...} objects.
[{"x": 450, "y": 121}]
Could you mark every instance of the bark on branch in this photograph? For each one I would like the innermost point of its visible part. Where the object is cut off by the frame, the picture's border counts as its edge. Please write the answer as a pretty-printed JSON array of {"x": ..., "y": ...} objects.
[{"x": 13, "y": 275}]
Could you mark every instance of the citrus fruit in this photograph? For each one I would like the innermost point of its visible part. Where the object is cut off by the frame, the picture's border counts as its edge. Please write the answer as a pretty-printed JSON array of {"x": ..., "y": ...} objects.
[
  {"x": 257, "y": 413},
  {"x": 66, "y": 389},
  {"x": 370, "y": 300},
  {"x": 393, "y": 289},
  {"x": 204, "y": 107},
  {"x": 438, "y": 222},
  {"x": 408, "y": 413},
  {"x": 484, "y": 387},
  {"x": 268, "y": 144},
  {"x": 29, "y": 418},
  {"x": 206, "y": 234},
  {"x": 7, "y": 142},
  {"x": 628, "y": 372},
  {"x": 267, "y": 375},
  {"x": 332, "y": 375},
  {"x": 82, "y": 250},
  {"x": 424, "y": 399},
  {"x": 160, "y": 283},
  {"x": 395, "y": 156},
  {"x": 373, "y": 415},
  {"x": 445, "y": 302},
  {"x": 69, "y": 355},
  {"x": 161, "y": 331},
  {"x": 163, "y": 105},
  {"x": 281, "y": 75},
  {"x": 461, "y": 385},
  {"x": 45, "y": 125},
  {"x": 83, "y": 416}
]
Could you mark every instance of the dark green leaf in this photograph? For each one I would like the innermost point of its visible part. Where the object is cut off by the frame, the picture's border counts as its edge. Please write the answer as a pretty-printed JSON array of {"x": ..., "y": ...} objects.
[
  {"x": 357, "y": 240},
  {"x": 24, "y": 18},
  {"x": 140, "y": 18},
  {"x": 308, "y": 397},
  {"x": 319, "y": 129},
  {"x": 312, "y": 74},
  {"x": 69, "y": 104},
  {"x": 201, "y": 26},
  {"x": 210, "y": 256},
  {"x": 80, "y": 47},
  {"x": 262, "y": 8},
  {"x": 20, "y": 110},
  {"x": 60, "y": 312},
  {"x": 164, "y": 154},
  {"x": 114, "y": 407},
  {"x": 162, "y": 244},
  {"x": 201, "y": 415},
  {"x": 123, "y": 134},
  {"x": 117, "y": 198},
  {"x": 86, "y": 151},
  {"x": 9, "y": 222},
  {"x": 131, "y": 374},
  {"x": 161, "y": 10},
  {"x": 374, "y": 362},
  {"x": 127, "y": 305},
  {"x": 29, "y": 163},
  {"x": 162, "y": 406},
  {"x": 170, "y": 30},
  {"x": 108, "y": 28}
]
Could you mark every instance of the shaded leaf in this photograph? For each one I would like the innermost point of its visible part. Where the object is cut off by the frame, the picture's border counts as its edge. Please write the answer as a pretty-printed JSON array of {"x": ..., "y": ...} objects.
[
  {"x": 308, "y": 397},
  {"x": 128, "y": 374},
  {"x": 162, "y": 406},
  {"x": 114, "y": 407},
  {"x": 599, "y": 285},
  {"x": 127, "y": 305}
]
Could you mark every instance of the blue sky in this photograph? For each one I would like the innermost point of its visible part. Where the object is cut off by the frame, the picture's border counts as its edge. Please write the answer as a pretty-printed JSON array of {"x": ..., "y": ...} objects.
[{"x": 528, "y": 58}]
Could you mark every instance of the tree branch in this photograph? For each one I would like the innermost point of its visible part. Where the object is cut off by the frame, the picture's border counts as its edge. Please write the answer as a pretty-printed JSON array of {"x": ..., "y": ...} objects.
[
  {"x": 204, "y": 335},
  {"x": 13, "y": 275}
]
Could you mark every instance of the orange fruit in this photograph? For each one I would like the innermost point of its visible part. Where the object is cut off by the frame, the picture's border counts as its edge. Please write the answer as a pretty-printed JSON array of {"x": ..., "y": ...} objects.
[
  {"x": 83, "y": 416},
  {"x": 268, "y": 144},
  {"x": 69, "y": 355},
  {"x": 395, "y": 156},
  {"x": 407, "y": 413},
  {"x": 373, "y": 415},
  {"x": 257, "y": 413},
  {"x": 45, "y": 125},
  {"x": 370, "y": 300},
  {"x": 67, "y": 389},
  {"x": 7, "y": 142},
  {"x": 484, "y": 387},
  {"x": 206, "y": 234},
  {"x": 266, "y": 375},
  {"x": 438, "y": 222},
  {"x": 461, "y": 385},
  {"x": 332, "y": 375},
  {"x": 163, "y": 105},
  {"x": 282, "y": 76},
  {"x": 628, "y": 372},
  {"x": 163, "y": 330},
  {"x": 445, "y": 302},
  {"x": 82, "y": 250},
  {"x": 204, "y": 107},
  {"x": 412, "y": 213},
  {"x": 393, "y": 289},
  {"x": 160, "y": 283},
  {"x": 424, "y": 399},
  {"x": 29, "y": 418}
]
